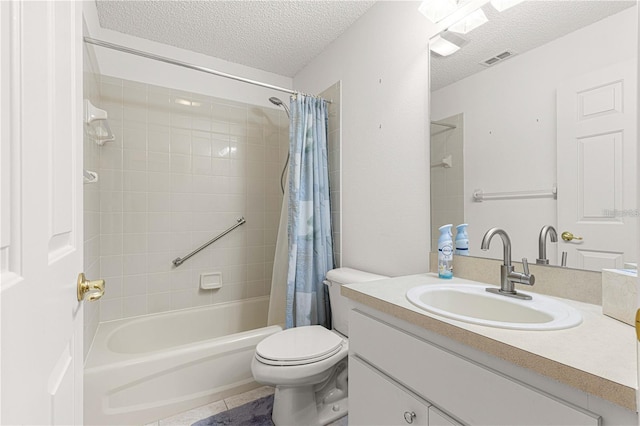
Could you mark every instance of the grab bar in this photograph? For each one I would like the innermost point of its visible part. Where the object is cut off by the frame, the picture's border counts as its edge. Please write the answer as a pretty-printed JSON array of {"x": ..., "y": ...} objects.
[{"x": 180, "y": 260}]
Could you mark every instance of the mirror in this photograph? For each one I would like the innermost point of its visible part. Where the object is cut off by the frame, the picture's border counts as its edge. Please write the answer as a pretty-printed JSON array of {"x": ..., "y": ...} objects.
[{"x": 496, "y": 109}]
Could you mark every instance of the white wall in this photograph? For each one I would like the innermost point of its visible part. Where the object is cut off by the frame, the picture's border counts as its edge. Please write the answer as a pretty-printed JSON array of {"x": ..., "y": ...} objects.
[
  {"x": 510, "y": 145},
  {"x": 382, "y": 63},
  {"x": 129, "y": 67}
]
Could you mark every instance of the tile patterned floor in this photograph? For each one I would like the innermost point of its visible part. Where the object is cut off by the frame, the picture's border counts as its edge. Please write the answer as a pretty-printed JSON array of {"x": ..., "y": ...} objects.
[{"x": 189, "y": 417}]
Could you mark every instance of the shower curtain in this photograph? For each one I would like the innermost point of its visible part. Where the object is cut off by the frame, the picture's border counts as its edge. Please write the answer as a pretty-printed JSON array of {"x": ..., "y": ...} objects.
[{"x": 310, "y": 245}]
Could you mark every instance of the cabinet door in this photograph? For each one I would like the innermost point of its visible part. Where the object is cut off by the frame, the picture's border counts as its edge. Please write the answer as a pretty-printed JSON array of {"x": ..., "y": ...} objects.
[
  {"x": 375, "y": 400},
  {"x": 438, "y": 418}
]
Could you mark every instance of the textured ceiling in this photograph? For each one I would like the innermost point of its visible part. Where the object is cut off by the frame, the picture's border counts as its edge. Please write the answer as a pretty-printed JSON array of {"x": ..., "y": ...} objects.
[
  {"x": 524, "y": 27},
  {"x": 277, "y": 36},
  {"x": 284, "y": 36}
]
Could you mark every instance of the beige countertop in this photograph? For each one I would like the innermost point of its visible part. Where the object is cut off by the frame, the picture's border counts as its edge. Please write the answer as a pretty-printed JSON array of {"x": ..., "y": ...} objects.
[{"x": 598, "y": 356}]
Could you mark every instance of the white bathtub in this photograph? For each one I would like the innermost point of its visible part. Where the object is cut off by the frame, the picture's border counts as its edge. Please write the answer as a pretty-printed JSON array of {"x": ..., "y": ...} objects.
[{"x": 146, "y": 368}]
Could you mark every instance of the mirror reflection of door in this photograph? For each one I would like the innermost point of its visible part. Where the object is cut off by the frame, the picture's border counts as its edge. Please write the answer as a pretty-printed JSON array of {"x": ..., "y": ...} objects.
[{"x": 596, "y": 167}]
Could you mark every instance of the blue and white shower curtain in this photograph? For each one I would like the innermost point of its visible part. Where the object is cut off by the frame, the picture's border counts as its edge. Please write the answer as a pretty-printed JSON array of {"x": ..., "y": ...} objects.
[{"x": 310, "y": 244}]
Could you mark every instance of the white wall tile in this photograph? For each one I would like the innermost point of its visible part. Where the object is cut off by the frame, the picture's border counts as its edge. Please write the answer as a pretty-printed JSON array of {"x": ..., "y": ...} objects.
[
  {"x": 134, "y": 285},
  {"x": 134, "y": 180},
  {"x": 111, "y": 245},
  {"x": 111, "y": 266},
  {"x": 159, "y": 138},
  {"x": 111, "y": 201},
  {"x": 160, "y": 262},
  {"x": 134, "y": 306},
  {"x": 134, "y": 159},
  {"x": 180, "y": 163},
  {"x": 158, "y": 181},
  {"x": 181, "y": 142},
  {"x": 159, "y": 242},
  {"x": 113, "y": 288},
  {"x": 134, "y": 202},
  {"x": 110, "y": 223},
  {"x": 201, "y": 143},
  {"x": 134, "y": 244},
  {"x": 134, "y": 138},
  {"x": 111, "y": 309},
  {"x": 133, "y": 264},
  {"x": 134, "y": 222},
  {"x": 159, "y": 202},
  {"x": 158, "y": 282},
  {"x": 159, "y": 222},
  {"x": 158, "y": 162},
  {"x": 157, "y": 303}
]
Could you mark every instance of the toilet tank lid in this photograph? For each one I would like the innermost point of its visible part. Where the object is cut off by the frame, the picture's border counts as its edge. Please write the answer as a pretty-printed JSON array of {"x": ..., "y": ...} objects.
[{"x": 349, "y": 276}]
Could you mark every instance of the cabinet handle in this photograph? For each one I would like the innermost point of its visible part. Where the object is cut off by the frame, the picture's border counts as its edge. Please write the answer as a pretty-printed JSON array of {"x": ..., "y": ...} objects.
[{"x": 409, "y": 416}]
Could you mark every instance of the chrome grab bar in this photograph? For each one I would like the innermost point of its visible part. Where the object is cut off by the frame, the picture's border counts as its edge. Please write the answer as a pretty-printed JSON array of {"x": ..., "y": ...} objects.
[{"x": 180, "y": 260}]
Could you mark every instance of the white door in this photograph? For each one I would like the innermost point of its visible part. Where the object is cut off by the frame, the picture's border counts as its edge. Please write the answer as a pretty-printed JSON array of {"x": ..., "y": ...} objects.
[
  {"x": 41, "y": 212},
  {"x": 596, "y": 167}
]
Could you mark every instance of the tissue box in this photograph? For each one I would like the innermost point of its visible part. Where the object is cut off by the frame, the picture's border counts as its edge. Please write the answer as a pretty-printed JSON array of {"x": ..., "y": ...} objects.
[{"x": 619, "y": 294}]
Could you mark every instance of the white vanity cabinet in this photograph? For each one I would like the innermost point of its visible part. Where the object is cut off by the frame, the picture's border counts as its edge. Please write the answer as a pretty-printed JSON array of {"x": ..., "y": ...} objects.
[
  {"x": 392, "y": 371},
  {"x": 375, "y": 399}
]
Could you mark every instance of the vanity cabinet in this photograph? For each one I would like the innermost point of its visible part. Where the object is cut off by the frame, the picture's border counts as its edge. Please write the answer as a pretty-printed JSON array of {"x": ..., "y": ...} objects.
[
  {"x": 392, "y": 371},
  {"x": 376, "y": 399}
]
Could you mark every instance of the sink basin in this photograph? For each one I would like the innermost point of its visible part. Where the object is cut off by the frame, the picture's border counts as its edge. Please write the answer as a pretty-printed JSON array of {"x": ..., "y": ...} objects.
[{"x": 472, "y": 303}]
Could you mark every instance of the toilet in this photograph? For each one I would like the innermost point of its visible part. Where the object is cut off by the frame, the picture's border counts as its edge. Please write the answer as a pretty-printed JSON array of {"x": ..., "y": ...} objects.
[{"x": 308, "y": 365}]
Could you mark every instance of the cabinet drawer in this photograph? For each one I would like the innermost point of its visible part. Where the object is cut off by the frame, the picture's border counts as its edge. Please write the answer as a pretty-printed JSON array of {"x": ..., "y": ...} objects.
[
  {"x": 473, "y": 393},
  {"x": 375, "y": 400}
]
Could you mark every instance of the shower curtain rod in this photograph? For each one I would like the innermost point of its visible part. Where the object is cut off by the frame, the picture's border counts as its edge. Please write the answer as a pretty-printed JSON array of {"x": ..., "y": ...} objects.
[{"x": 125, "y": 49}]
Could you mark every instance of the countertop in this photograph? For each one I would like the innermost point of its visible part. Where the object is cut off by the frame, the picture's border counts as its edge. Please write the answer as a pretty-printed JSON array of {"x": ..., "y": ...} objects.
[{"x": 598, "y": 356}]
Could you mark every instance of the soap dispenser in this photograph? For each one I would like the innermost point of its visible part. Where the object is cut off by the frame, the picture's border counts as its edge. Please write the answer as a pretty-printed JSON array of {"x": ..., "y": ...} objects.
[{"x": 445, "y": 252}]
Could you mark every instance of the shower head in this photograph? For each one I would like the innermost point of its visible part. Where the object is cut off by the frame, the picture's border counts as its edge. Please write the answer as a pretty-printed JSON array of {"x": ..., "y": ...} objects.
[{"x": 278, "y": 102}]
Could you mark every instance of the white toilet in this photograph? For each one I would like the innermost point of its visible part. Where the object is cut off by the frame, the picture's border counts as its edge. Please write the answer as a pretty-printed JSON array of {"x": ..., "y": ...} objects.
[{"x": 308, "y": 365}]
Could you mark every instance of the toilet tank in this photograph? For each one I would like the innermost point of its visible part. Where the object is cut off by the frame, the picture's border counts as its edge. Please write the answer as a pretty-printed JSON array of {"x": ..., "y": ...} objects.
[{"x": 340, "y": 306}]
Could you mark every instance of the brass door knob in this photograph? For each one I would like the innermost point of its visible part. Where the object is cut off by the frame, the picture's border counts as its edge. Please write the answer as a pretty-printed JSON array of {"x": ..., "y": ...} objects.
[
  {"x": 95, "y": 288},
  {"x": 568, "y": 236}
]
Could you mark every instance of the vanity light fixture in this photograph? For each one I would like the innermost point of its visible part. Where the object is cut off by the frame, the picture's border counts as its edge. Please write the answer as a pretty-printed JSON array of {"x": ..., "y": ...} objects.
[
  {"x": 502, "y": 5},
  {"x": 469, "y": 22},
  {"x": 436, "y": 10},
  {"x": 446, "y": 43}
]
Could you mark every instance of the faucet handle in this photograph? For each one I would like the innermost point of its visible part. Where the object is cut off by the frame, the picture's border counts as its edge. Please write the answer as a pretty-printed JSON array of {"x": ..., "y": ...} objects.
[{"x": 525, "y": 265}]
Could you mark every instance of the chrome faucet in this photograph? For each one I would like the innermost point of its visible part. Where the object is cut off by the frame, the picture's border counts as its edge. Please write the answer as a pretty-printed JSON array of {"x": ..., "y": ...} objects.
[
  {"x": 542, "y": 243},
  {"x": 508, "y": 277}
]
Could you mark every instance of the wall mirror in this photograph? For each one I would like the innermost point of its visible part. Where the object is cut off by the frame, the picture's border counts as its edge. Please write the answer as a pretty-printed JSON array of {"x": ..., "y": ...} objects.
[{"x": 533, "y": 124}]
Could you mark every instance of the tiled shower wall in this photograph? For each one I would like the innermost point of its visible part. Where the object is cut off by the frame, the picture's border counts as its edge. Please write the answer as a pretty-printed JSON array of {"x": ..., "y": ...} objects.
[
  {"x": 184, "y": 168},
  {"x": 91, "y": 193},
  {"x": 447, "y": 184}
]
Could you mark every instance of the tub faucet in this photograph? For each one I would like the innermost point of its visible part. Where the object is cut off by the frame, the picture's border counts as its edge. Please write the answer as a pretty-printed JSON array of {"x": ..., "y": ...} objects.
[
  {"x": 542, "y": 243},
  {"x": 508, "y": 277}
]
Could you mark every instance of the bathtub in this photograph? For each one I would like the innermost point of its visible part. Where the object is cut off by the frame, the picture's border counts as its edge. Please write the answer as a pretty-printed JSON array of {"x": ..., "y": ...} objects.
[{"x": 146, "y": 368}]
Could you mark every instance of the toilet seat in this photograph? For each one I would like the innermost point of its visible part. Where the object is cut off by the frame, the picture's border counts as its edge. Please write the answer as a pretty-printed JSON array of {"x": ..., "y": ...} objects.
[{"x": 299, "y": 346}]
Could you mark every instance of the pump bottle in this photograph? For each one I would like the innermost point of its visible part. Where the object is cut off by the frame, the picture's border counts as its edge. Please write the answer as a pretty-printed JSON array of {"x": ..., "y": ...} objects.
[{"x": 445, "y": 252}]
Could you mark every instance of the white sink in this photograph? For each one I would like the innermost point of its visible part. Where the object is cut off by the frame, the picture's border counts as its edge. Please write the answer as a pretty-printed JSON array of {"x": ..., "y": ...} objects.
[{"x": 472, "y": 303}]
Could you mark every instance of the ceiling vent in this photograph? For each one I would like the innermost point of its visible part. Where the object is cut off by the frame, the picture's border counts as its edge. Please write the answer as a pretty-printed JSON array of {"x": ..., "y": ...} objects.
[{"x": 498, "y": 58}]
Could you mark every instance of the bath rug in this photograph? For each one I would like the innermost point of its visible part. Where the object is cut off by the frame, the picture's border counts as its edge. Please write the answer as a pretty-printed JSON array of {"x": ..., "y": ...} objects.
[{"x": 254, "y": 413}]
